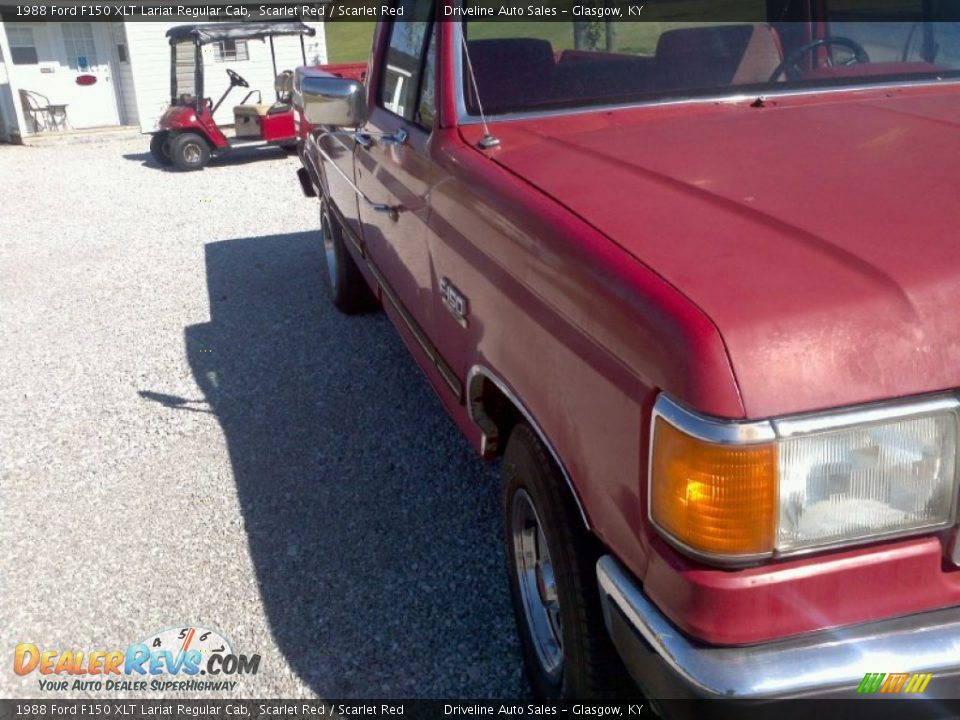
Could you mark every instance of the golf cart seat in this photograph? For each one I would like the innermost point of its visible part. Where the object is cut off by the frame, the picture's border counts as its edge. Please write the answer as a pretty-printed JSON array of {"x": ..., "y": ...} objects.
[
  {"x": 283, "y": 85},
  {"x": 247, "y": 119},
  {"x": 251, "y": 110},
  {"x": 260, "y": 120}
]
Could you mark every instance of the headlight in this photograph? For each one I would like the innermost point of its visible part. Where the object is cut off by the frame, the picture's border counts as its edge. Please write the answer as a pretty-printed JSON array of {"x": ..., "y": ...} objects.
[{"x": 748, "y": 490}]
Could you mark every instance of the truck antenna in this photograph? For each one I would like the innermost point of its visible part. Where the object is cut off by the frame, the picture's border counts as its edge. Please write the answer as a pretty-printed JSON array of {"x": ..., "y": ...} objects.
[{"x": 489, "y": 141}]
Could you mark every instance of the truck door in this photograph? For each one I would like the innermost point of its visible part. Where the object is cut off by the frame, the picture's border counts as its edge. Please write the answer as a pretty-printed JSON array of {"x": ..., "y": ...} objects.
[{"x": 394, "y": 167}]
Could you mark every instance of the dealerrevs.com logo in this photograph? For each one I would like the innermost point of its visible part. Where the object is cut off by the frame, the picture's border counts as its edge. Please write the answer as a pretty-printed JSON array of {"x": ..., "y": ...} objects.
[{"x": 186, "y": 659}]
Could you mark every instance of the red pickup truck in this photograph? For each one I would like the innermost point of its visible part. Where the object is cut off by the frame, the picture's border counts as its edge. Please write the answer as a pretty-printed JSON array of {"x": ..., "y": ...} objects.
[{"x": 697, "y": 285}]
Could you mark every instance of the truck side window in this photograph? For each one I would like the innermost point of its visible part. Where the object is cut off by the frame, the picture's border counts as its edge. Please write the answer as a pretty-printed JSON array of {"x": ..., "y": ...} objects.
[
  {"x": 405, "y": 52},
  {"x": 427, "y": 109}
]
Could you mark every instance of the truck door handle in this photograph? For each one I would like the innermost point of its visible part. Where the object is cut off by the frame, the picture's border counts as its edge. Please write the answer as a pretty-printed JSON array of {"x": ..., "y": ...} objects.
[
  {"x": 367, "y": 140},
  {"x": 398, "y": 137},
  {"x": 392, "y": 211},
  {"x": 364, "y": 140}
]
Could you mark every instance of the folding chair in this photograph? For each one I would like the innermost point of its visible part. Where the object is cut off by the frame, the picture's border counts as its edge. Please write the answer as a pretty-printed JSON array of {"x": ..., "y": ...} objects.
[{"x": 37, "y": 107}]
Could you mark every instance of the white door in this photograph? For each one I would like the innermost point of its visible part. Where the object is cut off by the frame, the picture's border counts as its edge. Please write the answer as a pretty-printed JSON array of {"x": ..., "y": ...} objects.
[
  {"x": 88, "y": 54},
  {"x": 50, "y": 58},
  {"x": 6, "y": 121}
]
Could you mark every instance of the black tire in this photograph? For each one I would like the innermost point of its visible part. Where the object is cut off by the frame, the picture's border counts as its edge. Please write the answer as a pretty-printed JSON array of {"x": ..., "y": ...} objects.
[
  {"x": 348, "y": 288},
  {"x": 588, "y": 665},
  {"x": 159, "y": 148},
  {"x": 189, "y": 151}
]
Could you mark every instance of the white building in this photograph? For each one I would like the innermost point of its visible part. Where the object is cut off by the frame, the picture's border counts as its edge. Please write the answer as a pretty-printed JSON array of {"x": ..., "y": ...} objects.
[{"x": 111, "y": 74}]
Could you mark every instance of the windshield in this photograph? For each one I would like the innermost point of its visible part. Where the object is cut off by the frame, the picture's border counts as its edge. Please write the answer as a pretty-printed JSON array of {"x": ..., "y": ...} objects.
[
  {"x": 529, "y": 67},
  {"x": 183, "y": 90}
]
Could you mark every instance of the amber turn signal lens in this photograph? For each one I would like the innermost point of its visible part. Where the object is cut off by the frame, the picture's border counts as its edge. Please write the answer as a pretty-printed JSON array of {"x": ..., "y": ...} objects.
[{"x": 718, "y": 499}]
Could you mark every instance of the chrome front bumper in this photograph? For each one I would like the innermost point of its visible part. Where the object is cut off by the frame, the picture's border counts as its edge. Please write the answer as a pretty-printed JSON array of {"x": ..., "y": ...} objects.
[{"x": 832, "y": 663}]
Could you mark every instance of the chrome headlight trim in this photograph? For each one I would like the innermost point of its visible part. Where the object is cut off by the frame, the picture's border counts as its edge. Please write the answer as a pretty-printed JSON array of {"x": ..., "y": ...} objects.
[
  {"x": 712, "y": 429},
  {"x": 732, "y": 431},
  {"x": 865, "y": 415}
]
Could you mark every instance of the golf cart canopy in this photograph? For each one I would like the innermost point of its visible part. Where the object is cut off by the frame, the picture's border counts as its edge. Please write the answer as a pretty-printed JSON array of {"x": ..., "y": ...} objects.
[
  {"x": 215, "y": 32},
  {"x": 186, "y": 56}
]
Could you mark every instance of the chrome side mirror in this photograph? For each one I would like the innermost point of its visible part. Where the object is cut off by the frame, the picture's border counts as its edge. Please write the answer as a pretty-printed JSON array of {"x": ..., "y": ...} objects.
[{"x": 329, "y": 100}]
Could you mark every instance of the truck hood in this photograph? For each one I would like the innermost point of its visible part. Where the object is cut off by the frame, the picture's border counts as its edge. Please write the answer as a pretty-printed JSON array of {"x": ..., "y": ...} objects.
[{"x": 821, "y": 233}]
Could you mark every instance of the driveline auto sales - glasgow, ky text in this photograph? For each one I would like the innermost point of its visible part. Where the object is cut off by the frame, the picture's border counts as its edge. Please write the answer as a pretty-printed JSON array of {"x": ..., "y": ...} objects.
[{"x": 535, "y": 709}]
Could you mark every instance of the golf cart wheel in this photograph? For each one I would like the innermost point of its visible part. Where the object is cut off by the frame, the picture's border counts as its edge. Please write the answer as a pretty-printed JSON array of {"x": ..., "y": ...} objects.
[
  {"x": 160, "y": 148},
  {"x": 189, "y": 151},
  {"x": 348, "y": 289},
  {"x": 551, "y": 563}
]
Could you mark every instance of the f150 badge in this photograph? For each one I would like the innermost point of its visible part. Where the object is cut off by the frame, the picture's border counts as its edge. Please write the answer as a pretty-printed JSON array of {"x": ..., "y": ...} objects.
[{"x": 454, "y": 300}]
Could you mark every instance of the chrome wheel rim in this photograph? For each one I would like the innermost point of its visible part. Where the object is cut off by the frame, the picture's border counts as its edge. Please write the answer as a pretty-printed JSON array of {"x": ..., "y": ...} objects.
[
  {"x": 537, "y": 583},
  {"x": 191, "y": 153},
  {"x": 329, "y": 249}
]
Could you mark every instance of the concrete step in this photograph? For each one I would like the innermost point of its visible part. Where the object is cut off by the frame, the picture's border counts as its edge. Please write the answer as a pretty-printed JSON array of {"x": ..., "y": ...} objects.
[{"x": 70, "y": 137}]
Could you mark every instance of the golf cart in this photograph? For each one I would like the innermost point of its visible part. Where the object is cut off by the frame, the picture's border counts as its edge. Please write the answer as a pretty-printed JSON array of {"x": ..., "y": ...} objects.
[{"x": 188, "y": 133}]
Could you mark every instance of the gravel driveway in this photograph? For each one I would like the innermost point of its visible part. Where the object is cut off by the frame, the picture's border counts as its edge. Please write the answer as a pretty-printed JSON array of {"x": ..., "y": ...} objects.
[{"x": 191, "y": 434}]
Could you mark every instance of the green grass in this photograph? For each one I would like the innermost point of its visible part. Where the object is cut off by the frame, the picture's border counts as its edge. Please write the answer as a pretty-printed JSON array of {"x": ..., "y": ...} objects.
[
  {"x": 631, "y": 37},
  {"x": 349, "y": 41}
]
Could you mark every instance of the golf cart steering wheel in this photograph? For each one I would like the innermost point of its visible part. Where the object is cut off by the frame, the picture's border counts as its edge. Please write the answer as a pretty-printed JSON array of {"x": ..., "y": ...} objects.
[
  {"x": 236, "y": 79},
  {"x": 795, "y": 72}
]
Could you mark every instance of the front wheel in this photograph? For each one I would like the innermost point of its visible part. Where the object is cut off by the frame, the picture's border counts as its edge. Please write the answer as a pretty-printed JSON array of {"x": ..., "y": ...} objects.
[
  {"x": 160, "y": 148},
  {"x": 348, "y": 289},
  {"x": 189, "y": 151},
  {"x": 551, "y": 562}
]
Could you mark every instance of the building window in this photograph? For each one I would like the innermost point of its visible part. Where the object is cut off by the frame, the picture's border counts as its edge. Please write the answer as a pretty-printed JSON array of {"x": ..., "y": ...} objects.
[
  {"x": 23, "y": 48},
  {"x": 230, "y": 51},
  {"x": 81, "y": 50},
  {"x": 120, "y": 40}
]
